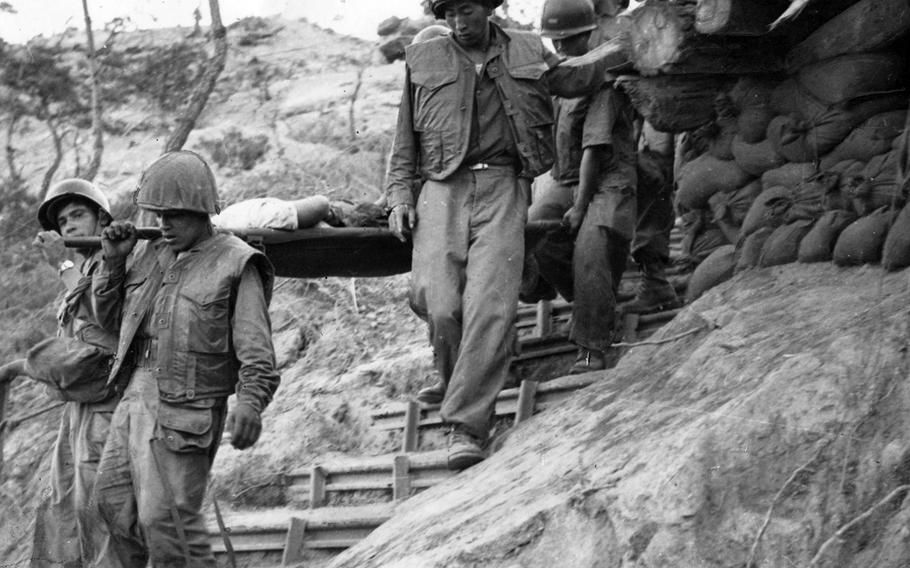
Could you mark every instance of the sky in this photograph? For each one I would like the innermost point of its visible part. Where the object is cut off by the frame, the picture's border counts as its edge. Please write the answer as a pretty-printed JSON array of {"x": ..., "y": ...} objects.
[{"x": 352, "y": 17}]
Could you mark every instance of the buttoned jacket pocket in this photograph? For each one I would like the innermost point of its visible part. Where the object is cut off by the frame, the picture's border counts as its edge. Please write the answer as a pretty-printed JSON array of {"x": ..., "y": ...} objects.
[
  {"x": 208, "y": 319},
  {"x": 186, "y": 428}
]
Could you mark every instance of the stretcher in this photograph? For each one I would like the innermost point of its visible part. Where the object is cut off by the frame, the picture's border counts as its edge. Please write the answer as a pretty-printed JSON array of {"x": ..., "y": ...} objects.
[{"x": 319, "y": 252}]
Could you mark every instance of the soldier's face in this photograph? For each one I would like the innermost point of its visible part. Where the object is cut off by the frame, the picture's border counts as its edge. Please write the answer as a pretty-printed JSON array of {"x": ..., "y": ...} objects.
[
  {"x": 469, "y": 22},
  {"x": 76, "y": 219},
  {"x": 183, "y": 230},
  {"x": 572, "y": 46}
]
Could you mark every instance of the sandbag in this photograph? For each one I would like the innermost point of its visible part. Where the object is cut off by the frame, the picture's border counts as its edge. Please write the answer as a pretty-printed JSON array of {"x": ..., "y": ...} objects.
[
  {"x": 752, "y": 99},
  {"x": 808, "y": 197},
  {"x": 871, "y": 138},
  {"x": 703, "y": 177},
  {"x": 850, "y": 173},
  {"x": 808, "y": 137},
  {"x": 818, "y": 244},
  {"x": 862, "y": 241},
  {"x": 878, "y": 185},
  {"x": 789, "y": 99},
  {"x": 788, "y": 175},
  {"x": 733, "y": 207},
  {"x": 749, "y": 251},
  {"x": 721, "y": 145},
  {"x": 755, "y": 159},
  {"x": 782, "y": 245},
  {"x": 847, "y": 77},
  {"x": 896, "y": 252},
  {"x": 707, "y": 242},
  {"x": 717, "y": 267},
  {"x": 868, "y": 25},
  {"x": 765, "y": 210}
]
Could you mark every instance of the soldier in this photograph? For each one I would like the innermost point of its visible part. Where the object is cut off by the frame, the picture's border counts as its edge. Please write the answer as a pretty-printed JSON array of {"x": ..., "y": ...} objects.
[
  {"x": 651, "y": 245},
  {"x": 595, "y": 175},
  {"x": 195, "y": 329},
  {"x": 475, "y": 123},
  {"x": 67, "y": 531}
]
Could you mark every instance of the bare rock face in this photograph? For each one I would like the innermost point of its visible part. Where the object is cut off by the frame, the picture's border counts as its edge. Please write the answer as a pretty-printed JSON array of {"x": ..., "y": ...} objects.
[{"x": 748, "y": 442}]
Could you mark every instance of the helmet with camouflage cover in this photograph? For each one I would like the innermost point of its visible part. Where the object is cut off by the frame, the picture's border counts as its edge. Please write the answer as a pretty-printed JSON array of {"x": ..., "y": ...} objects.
[
  {"x": 178, "y": 181},
  {"x": 564, "y": 18},
  {"x": 66, "y": 190}
]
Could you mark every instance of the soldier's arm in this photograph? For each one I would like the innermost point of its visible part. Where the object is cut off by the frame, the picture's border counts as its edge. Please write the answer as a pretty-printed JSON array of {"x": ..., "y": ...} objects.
[
  {"x": 252, "y": 342},
  {"x": 402, "y": 174},
  {"x": 117, "y": 241},
  {"x": 579, "y": 76}
]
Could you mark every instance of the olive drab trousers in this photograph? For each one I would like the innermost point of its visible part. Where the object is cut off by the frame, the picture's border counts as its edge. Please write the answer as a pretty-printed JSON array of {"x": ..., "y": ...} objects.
[
  {"x": 553, "y": 251},
  {"x": 152, "y": 479},
  {"x": 68, "y": 529},
  {"x": 467, "y": 263},
  {"x": 651, "y": 244},
  {"x": 586, "y": 269}
]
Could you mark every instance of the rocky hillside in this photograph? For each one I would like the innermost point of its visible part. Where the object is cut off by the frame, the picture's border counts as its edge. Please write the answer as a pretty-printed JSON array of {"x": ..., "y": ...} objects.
[
  {"x": 771, "y": 420},
  {"x": 775, "y": 435},
  {"x": 298, "y": 111}
]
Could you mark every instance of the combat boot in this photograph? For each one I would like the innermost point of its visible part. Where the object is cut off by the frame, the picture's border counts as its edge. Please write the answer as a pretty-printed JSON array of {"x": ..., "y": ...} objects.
[
  {"x": 654, "y": 294},
  {"x": 650, "y": 298},
  {"x": 432, "y": 395},
  {"x": 588, "y": 360},
  {"x": 464, "y": 449}
]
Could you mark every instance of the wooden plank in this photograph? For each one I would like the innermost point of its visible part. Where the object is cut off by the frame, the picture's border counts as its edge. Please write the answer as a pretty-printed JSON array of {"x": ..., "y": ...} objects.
[
  {"x": 868, "y": 25},
  {"x": 662, "y": 40},
  {"x": 294, "y": 543},
  {"x": 411, "y": 423},
  {"x": 629, "y": 328},
  {"x": 737, "y": 17},
  {"x": 674, "y": 103},
  {"x": 543, "y": 324},
  {"x": 317, "y": 487},
  {"x": 401, "y": 478},
  {"x": 526, "y": 393}
]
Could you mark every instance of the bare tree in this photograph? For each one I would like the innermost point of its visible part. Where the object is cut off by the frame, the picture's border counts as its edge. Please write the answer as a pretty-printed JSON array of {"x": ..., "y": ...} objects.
[
  {"x": 15, "y": 173},
  {"x": 200, "y": 95},
  {"x": 57, "y": 138},
  {"x": 97, "y": 124}
]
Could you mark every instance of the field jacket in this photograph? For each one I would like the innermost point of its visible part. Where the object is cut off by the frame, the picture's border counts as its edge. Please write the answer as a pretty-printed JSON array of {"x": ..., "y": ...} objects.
[
  {"x": 434, "y": 118},
  {"x": 192, "y": 302}
]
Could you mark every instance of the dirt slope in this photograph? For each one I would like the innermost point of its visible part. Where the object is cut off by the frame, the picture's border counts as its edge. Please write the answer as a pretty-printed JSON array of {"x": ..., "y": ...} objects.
[{"x": 678, "y": 455}]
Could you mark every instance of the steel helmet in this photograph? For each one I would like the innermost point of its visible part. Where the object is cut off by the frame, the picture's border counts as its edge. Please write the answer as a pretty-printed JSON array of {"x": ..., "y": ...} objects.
[
  {"x": 178, "y": 180},
  {"x": 64, "y": 190},
  {"x": 430, "y": 32},
  {"x": 439, "y": 6},
  {"x": 564, "y": 18}
]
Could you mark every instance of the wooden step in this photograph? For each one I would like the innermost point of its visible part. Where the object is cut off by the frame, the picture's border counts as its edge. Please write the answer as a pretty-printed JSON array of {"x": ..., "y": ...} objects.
[
  {"x": 395, "y": 417},
  {"x": 397, "y": 474},
  {"x": 329, "y": 528}
]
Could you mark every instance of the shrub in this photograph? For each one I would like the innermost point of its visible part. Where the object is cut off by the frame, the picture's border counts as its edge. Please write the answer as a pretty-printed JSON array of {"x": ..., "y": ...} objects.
[{"x": 236, "y": 150}]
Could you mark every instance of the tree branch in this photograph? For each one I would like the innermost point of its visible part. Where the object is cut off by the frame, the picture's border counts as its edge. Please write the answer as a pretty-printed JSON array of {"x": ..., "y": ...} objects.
[
  {"x": 97, "y": 124},
  {"x": 200, "y": 95}
]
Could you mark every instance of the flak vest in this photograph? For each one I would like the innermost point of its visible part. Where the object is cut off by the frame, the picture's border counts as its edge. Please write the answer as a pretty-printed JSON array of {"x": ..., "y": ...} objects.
[
  {"x": 195, "y": 358},
  {"x": 443, "y": 97}
]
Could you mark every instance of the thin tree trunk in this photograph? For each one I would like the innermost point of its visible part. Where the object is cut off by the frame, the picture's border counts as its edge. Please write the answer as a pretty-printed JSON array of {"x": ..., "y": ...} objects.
[
  {"x": 58, "y": 157},
  {"x": 14, "y": 174},
  {"x": 200, "y": 95},
  {"x": 97, "y": 124}
]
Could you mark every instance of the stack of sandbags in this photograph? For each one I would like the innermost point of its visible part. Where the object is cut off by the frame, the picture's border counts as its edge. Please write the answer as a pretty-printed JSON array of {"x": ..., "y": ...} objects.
[{"x": 812, "y": 169}]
